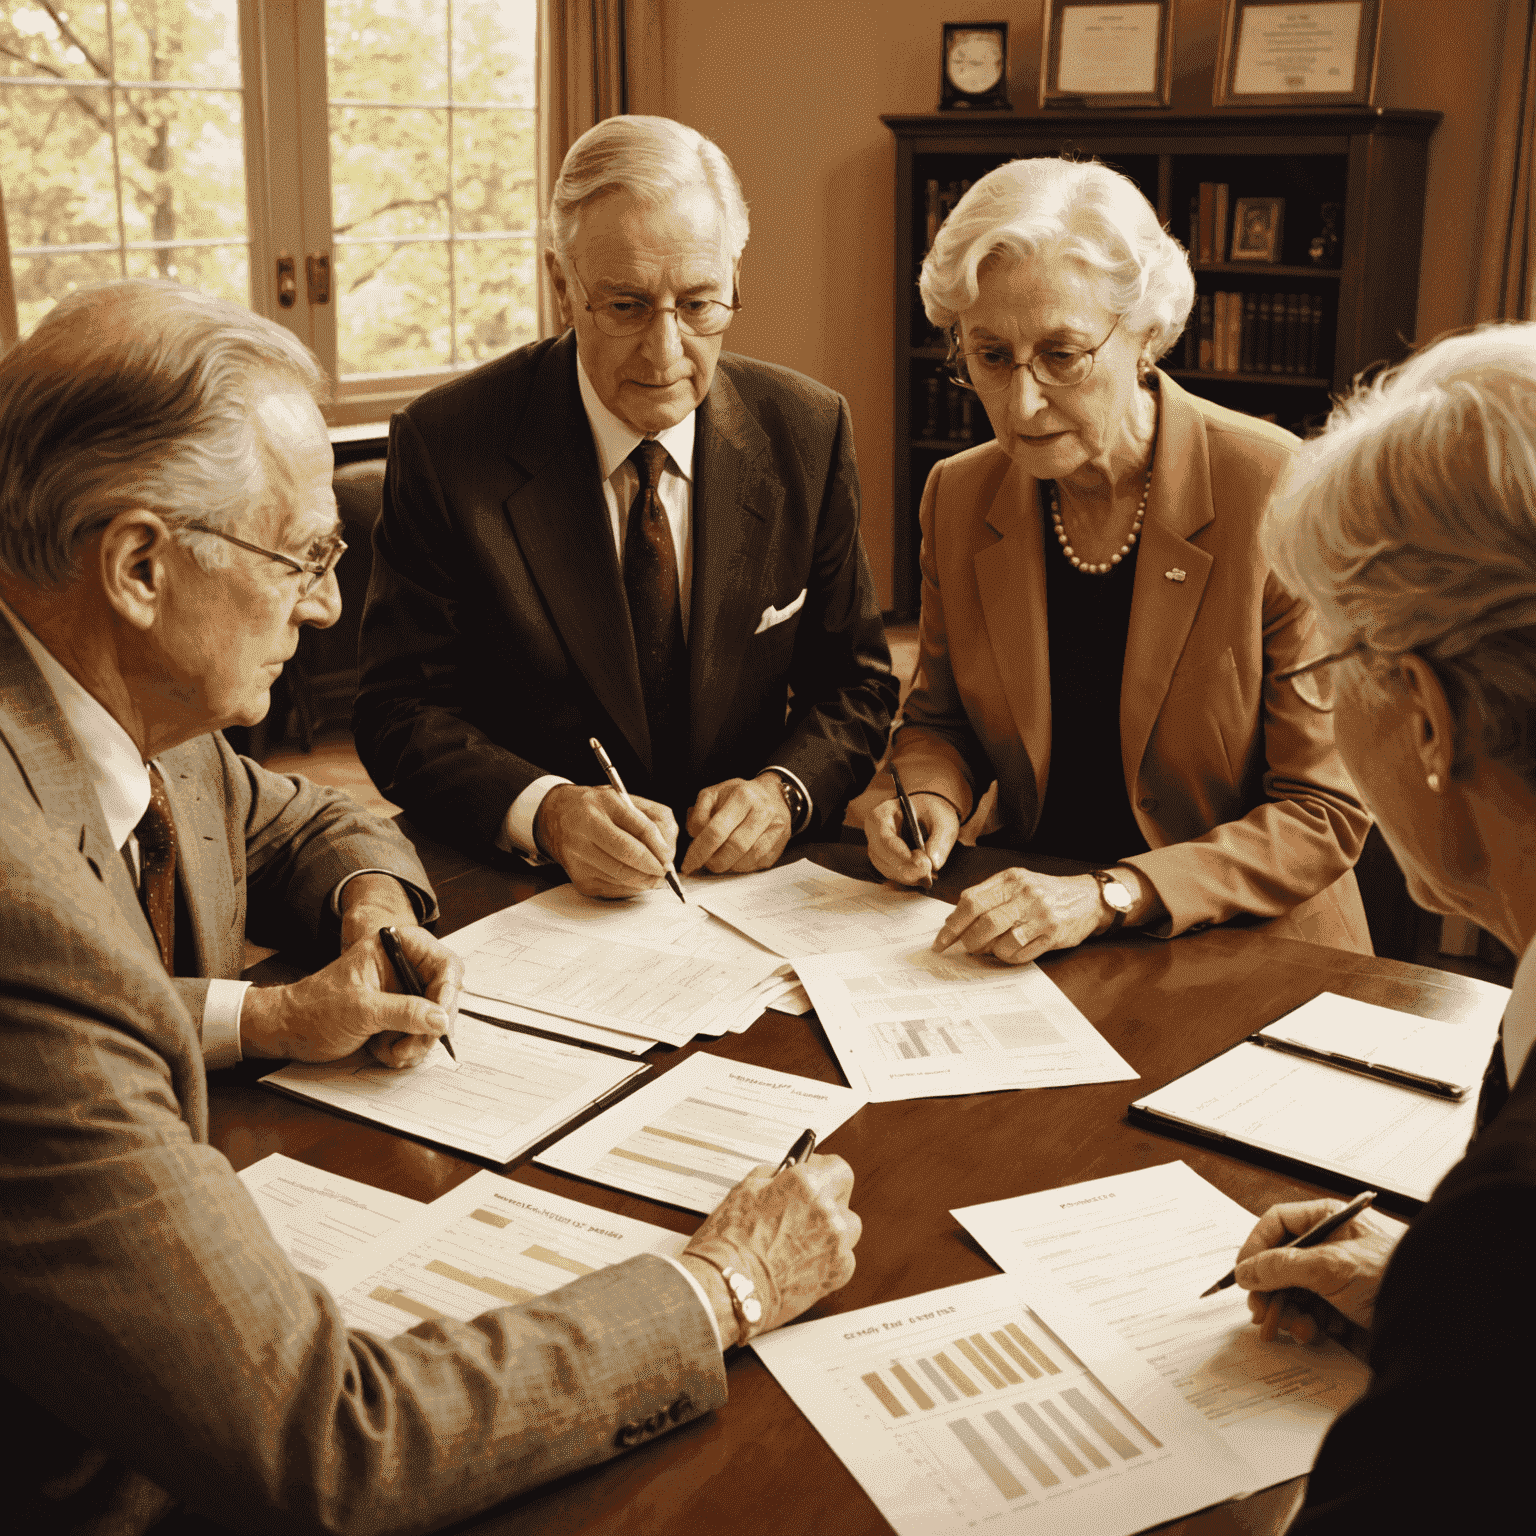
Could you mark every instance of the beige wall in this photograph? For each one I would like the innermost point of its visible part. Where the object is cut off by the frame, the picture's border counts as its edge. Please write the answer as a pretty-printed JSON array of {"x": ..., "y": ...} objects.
[{"x": 793, "y": 90}]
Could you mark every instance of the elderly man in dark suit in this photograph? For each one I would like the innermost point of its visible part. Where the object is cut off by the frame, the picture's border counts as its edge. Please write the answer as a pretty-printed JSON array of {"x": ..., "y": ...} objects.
[
  {"x": 622, "y": 533},
  {"x": 166, "y": 527}
]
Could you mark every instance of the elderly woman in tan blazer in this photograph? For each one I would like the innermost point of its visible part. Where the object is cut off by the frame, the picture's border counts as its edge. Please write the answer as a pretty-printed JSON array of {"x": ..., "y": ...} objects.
[{"x": 1100, "y": 630}]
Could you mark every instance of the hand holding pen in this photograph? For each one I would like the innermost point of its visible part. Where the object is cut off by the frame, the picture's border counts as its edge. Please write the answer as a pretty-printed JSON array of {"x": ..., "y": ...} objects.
[
  {"x": 668, "y": 868},
  {"x": 910, "y": 829},
  {"x": 405, "y": 974}
]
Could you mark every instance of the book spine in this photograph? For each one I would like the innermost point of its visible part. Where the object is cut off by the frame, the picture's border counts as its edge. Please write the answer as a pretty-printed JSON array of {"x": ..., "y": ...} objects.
[
  {"x": 1222, "y": 226},
  {"x": 1261, "y": 336},
  {"x": 1219, "y": 332},
  {"x": 1293, "y": 333},
  {"x": 956, "y": 421},
  {"x": 934, "y": 217},
  {"x": 1207, "y": 323},
  {"x": 1315, "y": 339},
  {"x": 1194, "y": 227},
  {"x": 1250, "y": 324},
  {"x": 1207, "y": 219},
  {"x": 931, "y": 427}
]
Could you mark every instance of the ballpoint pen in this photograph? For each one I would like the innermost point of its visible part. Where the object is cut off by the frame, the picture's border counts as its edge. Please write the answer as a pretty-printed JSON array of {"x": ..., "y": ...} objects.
[
  {"x": 909, "y": 821},
  {"x": 1320, "y": 1233},
  {"x": 805, "y": 1144},
  {"x": 405, "y": 974},
  {"x": 618, "y": 784},
  {"x": 1399, "y": 1075}
]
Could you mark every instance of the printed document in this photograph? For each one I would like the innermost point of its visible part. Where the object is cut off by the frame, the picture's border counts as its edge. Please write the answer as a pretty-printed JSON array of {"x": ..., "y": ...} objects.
[
  {"x": 1000, "y": 1405},
  {"x": 489, "y": 1242},
  {"x": 906, "y": 1023},
  {"x": 509, "y": 1092},
  {"x": 1137, "y": 1249},
  {"x": 691, "y": 1135},
  {"x": 321, "y": 1218}
]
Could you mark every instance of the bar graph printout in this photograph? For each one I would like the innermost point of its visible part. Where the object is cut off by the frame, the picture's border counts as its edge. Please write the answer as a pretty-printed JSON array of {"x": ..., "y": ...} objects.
[
  {"x": 1137, "y": 1249},
  {"x": 999, "y": 1405},
  {"x": 489, "y": 1242},
  {"x": 906, "y": 1023},
  {"x": 689, "y": 1136},
  {"x": 508, "y": 1092}
]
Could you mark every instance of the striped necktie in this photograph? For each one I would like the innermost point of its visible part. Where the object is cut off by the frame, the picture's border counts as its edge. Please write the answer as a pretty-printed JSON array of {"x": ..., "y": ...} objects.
[{"x": 157, "y": 868}]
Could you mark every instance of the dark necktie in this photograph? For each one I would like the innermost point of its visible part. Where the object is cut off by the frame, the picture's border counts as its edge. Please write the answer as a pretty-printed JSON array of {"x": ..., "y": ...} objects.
[
  {"x": 655, "y": 613},
  {"x": 157, "y": 868}
]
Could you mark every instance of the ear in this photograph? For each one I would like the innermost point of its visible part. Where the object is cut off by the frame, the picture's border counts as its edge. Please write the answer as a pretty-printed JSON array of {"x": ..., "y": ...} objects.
[
  {"x": 559, "y": 287},
  {"x": 132, "y": 560},
  {"x": 1431, "y": 721}
]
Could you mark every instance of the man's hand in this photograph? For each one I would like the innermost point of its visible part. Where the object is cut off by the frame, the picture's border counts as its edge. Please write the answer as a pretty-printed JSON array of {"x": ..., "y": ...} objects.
[
  {"x": 373, "y": 901},
  {"x": 791, "y": 1233},
  {"x": 607, "y": 848},
  {"x": 1345, "y": 1271},
  {"x": 1018, "y": 914},
  {"x": 937, "y": 820},
  {"x": 355, "y": 1001},
  {"x": 740, "y": 825}
]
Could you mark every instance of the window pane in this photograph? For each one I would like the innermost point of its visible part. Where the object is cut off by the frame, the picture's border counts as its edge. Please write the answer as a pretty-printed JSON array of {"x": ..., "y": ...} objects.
[
  {"x": 389, "y": 172},
  {"x": 387, "y": 50},
  {"x": 63, "y": 138},
  {"x": 497, "y": 301},
  {"x": 74, "y": 47},
  {"x": 493, "y": 176},
  {"x": 494, "y": 45},
  {"x": 41, "y": 281},
  {"x": 181, "y": 40},
  {"x": 222, "y": 270},
  {"x": 183, "y": 164},
  {"x": 392, "y": 307}
]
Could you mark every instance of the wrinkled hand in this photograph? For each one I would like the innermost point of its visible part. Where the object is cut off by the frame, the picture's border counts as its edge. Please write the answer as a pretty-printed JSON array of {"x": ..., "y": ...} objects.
[
  {"x": 1345, "y": 1271},
  {"x": 354, "y": 1001},
  {"x": 1018, "y": 914},
  {"x": 741, "y": 825},
  {"x": 605, "y": 847},
  {"x": 792, "y": 1233},
  {"x": 888, "y": 851}
]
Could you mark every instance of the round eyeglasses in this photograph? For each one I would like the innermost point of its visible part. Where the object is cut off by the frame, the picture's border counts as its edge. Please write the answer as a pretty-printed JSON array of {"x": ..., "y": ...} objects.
[
  {"x": 1314, "y": 682},
  {"x": 631, "y": 315},
  {"x": 326, "y": 552},
  {"x": 989, "y": 368}
]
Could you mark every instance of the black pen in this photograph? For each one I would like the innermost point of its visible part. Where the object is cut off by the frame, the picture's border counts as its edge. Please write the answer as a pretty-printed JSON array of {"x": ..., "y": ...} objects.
[
  {"x": 613, "y": 778},
  {"x": 909, "y": 820},
  {"x": 1308, "y": 1239},
  {"x": 805, "y": 1144},
  {"x": 1398, "y": 1075},
  {"x": 405, "y": 974}
]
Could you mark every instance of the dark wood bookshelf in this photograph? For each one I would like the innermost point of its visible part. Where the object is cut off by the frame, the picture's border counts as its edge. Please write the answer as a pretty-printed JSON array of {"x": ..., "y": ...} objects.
[{"x": 1369, "y": 160}]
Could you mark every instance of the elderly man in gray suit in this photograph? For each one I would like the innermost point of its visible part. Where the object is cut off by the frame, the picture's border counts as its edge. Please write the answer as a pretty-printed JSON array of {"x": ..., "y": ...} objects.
[{"x": 166, "y": 527}]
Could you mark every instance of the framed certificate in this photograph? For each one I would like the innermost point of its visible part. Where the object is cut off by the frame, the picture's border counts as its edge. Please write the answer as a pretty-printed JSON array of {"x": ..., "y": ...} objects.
[
  {"x": 1096, "y": 55},
  {"x": 1280, "y": 53}
]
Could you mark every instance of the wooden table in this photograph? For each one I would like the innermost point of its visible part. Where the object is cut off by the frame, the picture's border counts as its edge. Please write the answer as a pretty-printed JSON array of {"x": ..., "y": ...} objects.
[{"x": 758, "y": 1468}]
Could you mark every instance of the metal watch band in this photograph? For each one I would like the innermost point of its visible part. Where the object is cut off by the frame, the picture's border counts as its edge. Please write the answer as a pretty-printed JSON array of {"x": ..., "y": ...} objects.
[{"x": 794, "y": 799}]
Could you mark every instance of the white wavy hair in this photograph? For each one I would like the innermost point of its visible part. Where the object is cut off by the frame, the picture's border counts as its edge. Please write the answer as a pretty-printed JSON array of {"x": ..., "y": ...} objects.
[{"x": 1064, "y": 209}]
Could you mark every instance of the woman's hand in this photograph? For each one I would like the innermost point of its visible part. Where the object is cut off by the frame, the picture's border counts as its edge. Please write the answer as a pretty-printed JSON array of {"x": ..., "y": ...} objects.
[
  {"x": 1019, "y": 914},
  {"x": 937, "y": 820}
]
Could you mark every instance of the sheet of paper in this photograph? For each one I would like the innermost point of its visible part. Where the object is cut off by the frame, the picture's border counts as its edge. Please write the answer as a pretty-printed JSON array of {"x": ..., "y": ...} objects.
[
  {"x": 1450, "y": 1052},
  {"x": 1386, "y": 1137},
  {"x": 488, "y": 1242},
  {"x": 321, "y": 1218},
  {"x": 692, "y": 1134},
  {"x": 999, "y": 1406},
  {"x": 511, "y": 1090},
  {"x": 803, "y": 909},
  {"x": 1137, "y": 1249},
  {"x": 551, "y": 1023},
  {"x": 909, "y": 1024}
]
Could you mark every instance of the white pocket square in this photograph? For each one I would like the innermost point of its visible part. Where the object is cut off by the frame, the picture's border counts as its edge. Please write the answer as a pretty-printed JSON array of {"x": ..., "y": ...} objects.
[{"x": 772, "y": 615}]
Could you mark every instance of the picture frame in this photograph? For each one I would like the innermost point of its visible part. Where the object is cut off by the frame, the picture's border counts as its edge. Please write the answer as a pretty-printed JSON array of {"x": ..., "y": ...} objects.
[
  {"x": 973, "y": 67},
  {"x": 1099, "y": 56},
  {"x": 1298, "y": 53},
  {"x": 1258, "y": 226}
]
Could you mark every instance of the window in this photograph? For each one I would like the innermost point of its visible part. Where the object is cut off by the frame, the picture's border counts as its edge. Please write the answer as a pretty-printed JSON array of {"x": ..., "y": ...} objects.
[{"x": 370, "y": 162}]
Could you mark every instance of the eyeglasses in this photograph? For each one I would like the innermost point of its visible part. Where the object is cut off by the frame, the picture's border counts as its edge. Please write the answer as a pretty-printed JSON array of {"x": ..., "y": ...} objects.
[
  {"x": 990, "y": 369},
  {"x": 1312, "y": 683},
  {"x": 630, "y": 316},
  {"x": 330, "y": 550}
]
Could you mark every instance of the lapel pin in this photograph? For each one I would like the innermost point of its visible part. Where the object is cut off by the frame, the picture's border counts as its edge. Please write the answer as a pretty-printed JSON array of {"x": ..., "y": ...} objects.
[{"x": 1174, "y": 575}]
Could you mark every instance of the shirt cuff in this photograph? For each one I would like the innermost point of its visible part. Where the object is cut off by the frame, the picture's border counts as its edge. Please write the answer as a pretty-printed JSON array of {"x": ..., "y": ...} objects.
[
  {"x": 810, "y": 805},
  {"x": 418, "y": 898},
  {"x": 221, "y": 1025},
  {"x": 704, "y": 1301},
  {"x": 516, "y": 835}
]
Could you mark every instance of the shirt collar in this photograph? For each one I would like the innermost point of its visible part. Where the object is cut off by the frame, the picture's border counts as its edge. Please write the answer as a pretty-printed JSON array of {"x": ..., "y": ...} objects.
[
  {"x": 117, "y": 772},
  {"x": 1520, "y": 1017},
  {"x": 616, "y": 440}
]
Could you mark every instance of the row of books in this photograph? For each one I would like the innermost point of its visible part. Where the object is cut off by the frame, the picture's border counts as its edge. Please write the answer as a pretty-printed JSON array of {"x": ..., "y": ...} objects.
[
  {"x": 941, "y": 200},
  {"x": 1209, "y": 226},
  {"x": 952, "y": 413},
  {"x": 1256, "y": 333}
]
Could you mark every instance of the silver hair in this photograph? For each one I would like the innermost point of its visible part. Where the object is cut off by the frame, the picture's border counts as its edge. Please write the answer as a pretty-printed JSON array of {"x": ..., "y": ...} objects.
[
  {"x": 1410, "y": 522},
  {"x": 137, "y": 394},
  {"x": 1064, "y": 209},
  {"x": 651, "y": 158}
]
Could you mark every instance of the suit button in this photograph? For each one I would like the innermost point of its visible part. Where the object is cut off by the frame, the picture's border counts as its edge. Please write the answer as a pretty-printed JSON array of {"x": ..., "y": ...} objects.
[
  {"x": 1148, "y": 802},
  {"x": 629, "y": 1434}
]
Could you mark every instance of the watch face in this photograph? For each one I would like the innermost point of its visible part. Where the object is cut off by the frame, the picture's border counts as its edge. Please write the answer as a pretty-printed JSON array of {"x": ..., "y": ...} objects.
[{"x": 975, "y": 62}]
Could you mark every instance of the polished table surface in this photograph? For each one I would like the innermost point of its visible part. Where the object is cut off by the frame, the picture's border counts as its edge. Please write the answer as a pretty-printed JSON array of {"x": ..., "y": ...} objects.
[{"x": 758, "y": 1468}]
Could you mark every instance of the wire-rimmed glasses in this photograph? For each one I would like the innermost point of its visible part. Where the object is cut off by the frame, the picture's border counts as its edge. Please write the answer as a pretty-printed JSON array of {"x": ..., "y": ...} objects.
[
  {"x": 989, "y": 368},
  {"x": 328, "y": 551},
  {"x": 630, "y": 315},
  {"x": 1313, "y": 681}
]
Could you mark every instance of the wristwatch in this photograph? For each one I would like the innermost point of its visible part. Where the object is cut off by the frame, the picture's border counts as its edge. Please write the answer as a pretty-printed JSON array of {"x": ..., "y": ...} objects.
[
  {"x": 1116, "y": 897},
  {"x": 794, "y": 799}
]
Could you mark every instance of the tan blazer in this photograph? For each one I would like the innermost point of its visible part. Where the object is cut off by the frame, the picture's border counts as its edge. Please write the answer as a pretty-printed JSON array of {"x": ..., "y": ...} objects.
[{"x": 1233, "y": 779}]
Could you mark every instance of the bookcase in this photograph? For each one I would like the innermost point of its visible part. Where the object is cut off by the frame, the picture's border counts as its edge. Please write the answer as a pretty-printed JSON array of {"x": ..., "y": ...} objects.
[{"x": 1369, "y": 163}]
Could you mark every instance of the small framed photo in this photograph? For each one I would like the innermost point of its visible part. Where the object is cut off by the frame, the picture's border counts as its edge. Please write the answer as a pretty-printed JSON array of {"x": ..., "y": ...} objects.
[
  {"x": 1096, "y": 56},
  {"x": 1281, "y": 53},
  {"x": 973, "y": 67},
  {"x": 1257, "y": 227}
]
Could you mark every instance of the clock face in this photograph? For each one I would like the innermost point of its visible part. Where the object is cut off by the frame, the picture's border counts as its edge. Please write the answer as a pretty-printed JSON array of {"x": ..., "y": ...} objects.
[{"x": 975, "y": 62}]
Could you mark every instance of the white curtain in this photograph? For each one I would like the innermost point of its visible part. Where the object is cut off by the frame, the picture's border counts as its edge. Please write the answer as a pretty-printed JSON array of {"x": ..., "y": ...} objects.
[{"x": 1508, "y": 274}]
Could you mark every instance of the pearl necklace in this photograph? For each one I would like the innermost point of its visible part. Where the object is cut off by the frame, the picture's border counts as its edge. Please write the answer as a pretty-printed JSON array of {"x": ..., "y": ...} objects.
[{"x": 1083, "y": 565}]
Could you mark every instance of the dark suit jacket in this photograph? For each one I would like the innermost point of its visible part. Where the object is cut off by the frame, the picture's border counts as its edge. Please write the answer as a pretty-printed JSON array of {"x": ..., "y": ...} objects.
[
  {"x": 496, "y": 638},
  {"x": 1441, "y": 1439}
]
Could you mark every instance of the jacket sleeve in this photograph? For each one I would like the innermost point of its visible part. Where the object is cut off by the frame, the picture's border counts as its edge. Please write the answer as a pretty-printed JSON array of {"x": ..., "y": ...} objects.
[{"x": 151, "y": 1316}]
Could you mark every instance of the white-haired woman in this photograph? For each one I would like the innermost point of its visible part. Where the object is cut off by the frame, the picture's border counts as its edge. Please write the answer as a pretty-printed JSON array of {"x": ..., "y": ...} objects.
[
  {"x": 1411, "y": 523},
  {"x": 1099, "y": 629}
]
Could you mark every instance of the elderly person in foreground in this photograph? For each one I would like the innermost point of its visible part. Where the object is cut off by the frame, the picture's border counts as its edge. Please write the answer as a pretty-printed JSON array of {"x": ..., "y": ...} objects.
[
  {"x": 166, "y": 528},
  {"x": 1100, "y": 632},
  {"x": 1411, "y": 523}
]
